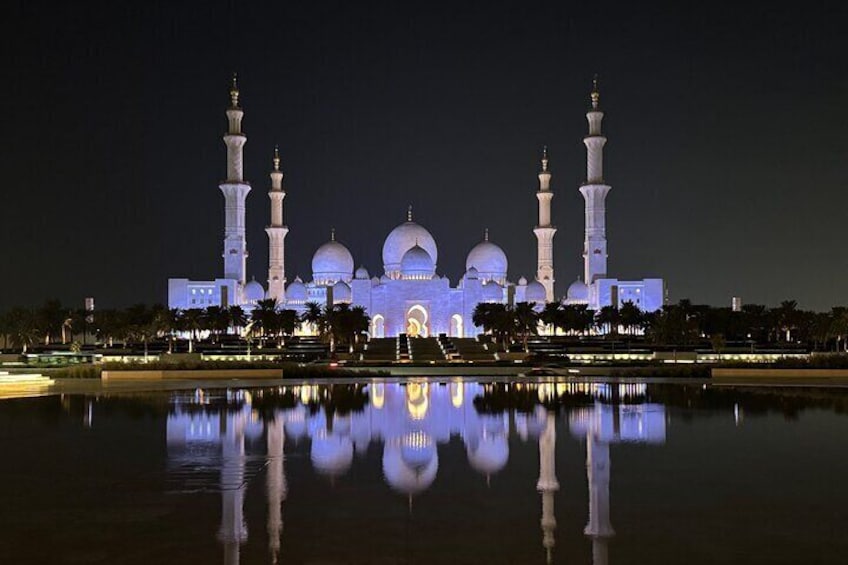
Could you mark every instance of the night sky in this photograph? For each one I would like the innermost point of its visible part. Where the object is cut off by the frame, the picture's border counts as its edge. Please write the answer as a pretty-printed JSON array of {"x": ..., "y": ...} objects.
[{"x": 727, "y": 152}]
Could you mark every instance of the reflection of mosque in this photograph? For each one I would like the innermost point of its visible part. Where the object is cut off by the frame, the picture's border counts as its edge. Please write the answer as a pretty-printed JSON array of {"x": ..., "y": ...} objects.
[{"x": 410, "y": 420}]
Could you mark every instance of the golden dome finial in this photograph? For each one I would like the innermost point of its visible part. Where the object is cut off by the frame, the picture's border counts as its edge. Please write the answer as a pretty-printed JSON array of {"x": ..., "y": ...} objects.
[
  {"x": 544, "y": 158},
  {"x": 234, "y": 92},
  {"x": 486, "y": 234},
  {"x": 409, "y": 213},
  {"x": 276, "y": 158},
  {"x": 332, "y": 234},
  {"x": 596, "y": 94}
]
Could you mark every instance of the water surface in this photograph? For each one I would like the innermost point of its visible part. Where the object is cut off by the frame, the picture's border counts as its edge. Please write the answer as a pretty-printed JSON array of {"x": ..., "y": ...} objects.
[{"x": 428, "y": 471}]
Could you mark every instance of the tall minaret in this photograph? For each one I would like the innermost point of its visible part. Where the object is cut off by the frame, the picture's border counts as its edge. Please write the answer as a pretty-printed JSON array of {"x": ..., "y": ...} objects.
[
  {"x": 545, "y": 231},
  {"x": 548, "y": 483},
  {"x": 276, "y": 484},
  {"x": 277, "y": 235},
  {"x": 235, "y": 191},
  {"x": 595, "y": 192}
]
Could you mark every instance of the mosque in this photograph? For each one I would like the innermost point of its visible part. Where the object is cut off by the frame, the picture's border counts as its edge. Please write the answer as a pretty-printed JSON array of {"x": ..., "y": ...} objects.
[{"x": 410, "y": 296}]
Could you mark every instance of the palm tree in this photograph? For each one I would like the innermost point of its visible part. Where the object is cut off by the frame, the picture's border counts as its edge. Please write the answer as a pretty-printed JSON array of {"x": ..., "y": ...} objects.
[
  {"x": 551, "y": 316},
  {"x": 609, "y": 317},
  {"x": 526, "y": 321},
  {"x": 787, "y": 317},
  {"x": 51, "y": 319},
  {"x": 631, "y": 316},
  {"x": 314, "y": 316},
  {"x": 218, "y": 319},
  {"x": 264, "y": 316},
  {"x": 286, "y": 323},
  {"x": 238, "y": 317},
  {"x": 192, "y": 322},
  {"x": 22, "y": 324}
]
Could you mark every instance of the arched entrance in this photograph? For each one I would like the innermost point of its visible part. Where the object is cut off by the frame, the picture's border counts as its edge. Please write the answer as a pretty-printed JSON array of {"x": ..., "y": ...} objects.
[
  {"x": 378, "y": 324},
  {"x": 456, "y": 326},
  {"x": 416, "y": 322}
]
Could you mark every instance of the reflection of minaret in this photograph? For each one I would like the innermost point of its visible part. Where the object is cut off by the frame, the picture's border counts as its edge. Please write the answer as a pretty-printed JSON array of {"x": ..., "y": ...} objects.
[
  {"x": 277, "y": 488},
  {"x": 598, "y": 472},
  {"x": 233, "y": 530},
  {"x": 548, "y": 483}
]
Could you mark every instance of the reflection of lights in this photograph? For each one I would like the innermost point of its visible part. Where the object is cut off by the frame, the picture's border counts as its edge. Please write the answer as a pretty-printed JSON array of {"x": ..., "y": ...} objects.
[
  {"x": 457, "y": 395},
  {"x": 417, "y": 400},
  {"x": 378, "y": 395}
]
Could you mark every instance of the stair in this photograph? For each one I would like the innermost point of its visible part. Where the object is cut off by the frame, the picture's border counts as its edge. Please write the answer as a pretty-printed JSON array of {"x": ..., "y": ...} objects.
[{"x": 425, "y": 349}]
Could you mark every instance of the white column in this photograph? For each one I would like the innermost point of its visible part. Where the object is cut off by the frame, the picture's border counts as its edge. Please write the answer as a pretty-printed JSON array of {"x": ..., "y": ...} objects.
[
  {"x": 594, "y": 193},
  {"x": 235, "y": 191},
  {"x": 277, "y": 236},
  {"x": 545, "y": 231}
]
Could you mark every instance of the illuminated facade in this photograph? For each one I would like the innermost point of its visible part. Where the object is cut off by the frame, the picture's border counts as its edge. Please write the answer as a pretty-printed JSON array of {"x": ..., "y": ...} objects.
[{"x": 410, "y": 296}]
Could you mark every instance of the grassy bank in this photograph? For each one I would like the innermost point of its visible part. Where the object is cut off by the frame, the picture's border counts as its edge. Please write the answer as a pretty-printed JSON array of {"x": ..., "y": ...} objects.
[{"x": 290, "y": 370}]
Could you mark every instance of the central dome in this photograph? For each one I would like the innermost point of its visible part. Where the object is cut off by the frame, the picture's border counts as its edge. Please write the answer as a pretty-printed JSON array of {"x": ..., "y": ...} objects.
[
  {"x": 417, "y": 263},
  {"x": 332, "y": 262},
  {"x": 402, "y": 239},
  {"x": 489, "y": 260}
]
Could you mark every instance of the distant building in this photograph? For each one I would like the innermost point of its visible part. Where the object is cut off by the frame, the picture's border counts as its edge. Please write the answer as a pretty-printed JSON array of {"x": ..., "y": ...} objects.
[
  {"x": 410, "y": 296},
  {"x": 736, "y": 303}
]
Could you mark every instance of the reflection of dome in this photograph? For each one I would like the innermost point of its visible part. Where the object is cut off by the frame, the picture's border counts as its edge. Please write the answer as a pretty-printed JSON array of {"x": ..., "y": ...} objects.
[
  {"x": 341, "y": 292},
  {"x": 362, "y": 273},
  {"x": 296, "y": 292},
  {"x": 331, "y": 454},
  {"x": 405, "y": 478},
  {"x": 490, "y": 455},
  {"x": 578, "y": 291},
  {"x": 492, "y": 292},
  {"x": 296, "y": 423},
  {"x": 417, "y": 264},
  {"x": 402, "y": 239},
  {"x": 489, "y": 260},
  {"x": 253, "y": 292},
  {"x": 332, "y": 262},
  {"x": 535, "y": 293}
]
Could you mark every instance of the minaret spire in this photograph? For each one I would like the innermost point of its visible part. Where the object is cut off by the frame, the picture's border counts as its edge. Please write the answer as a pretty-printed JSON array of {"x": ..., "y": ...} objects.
[
  {"x": 277, "y": 232},
  {"x": 235, "y": 190},
  {"x": 409, "y": 213},
  {"x": 594, "y": 191},
  {"x": 545, "y": 231}
]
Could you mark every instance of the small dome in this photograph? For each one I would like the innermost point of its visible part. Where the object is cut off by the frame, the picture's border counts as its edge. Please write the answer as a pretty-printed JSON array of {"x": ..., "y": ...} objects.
[
  {"x": 492, "y": 292},
  {"x": 332, "y": 262},
  {"x": 489, "y": 455},
  {"x": 403, "y": 238},
  {"x": 341, "y": 292},
  {"x": 296, "y": 292},
  {"x": 253, "y": 292},
  {"x": 522, "y": 281},
  {"x": 578, "y": 292},
  {"x": 417, "y": 263},
  {"x": 362, "y": 273},
  {"x": 385, "y": 279},
  {"x": 489, "y": 260},
  {"x": 535, "y": 293}
]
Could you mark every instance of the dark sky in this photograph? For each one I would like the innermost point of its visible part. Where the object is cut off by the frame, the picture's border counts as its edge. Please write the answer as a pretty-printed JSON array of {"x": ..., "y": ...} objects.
[{"x": 727, "y": 152}]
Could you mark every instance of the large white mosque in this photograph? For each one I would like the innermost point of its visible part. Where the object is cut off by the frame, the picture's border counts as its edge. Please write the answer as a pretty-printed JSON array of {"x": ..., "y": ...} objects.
[{"x": 410, "y": 296}]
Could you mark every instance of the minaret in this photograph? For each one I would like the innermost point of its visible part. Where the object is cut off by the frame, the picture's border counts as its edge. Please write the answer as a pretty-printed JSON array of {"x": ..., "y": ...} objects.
[
  {"x": 548, "y": 484},
  {"x": 545, "y": 231},
  {"x": 595, "y": 192},
  {"x": 235, "y": 191},
  {"x": 277, "y": 235}
]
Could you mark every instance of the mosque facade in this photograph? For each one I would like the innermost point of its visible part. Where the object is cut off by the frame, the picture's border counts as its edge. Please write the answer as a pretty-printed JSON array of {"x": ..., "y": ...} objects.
[{"x": 410, "y": 296}]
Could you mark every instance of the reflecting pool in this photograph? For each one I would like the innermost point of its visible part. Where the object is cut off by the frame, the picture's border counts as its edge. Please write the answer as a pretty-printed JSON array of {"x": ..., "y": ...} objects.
[{"x": 427, "y": 471}]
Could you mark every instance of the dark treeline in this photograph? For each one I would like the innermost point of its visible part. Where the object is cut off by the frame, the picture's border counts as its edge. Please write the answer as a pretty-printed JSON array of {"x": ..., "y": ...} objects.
[
  {"x": 53, "y": 323},
  {"x": 680, "y": 325}
]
